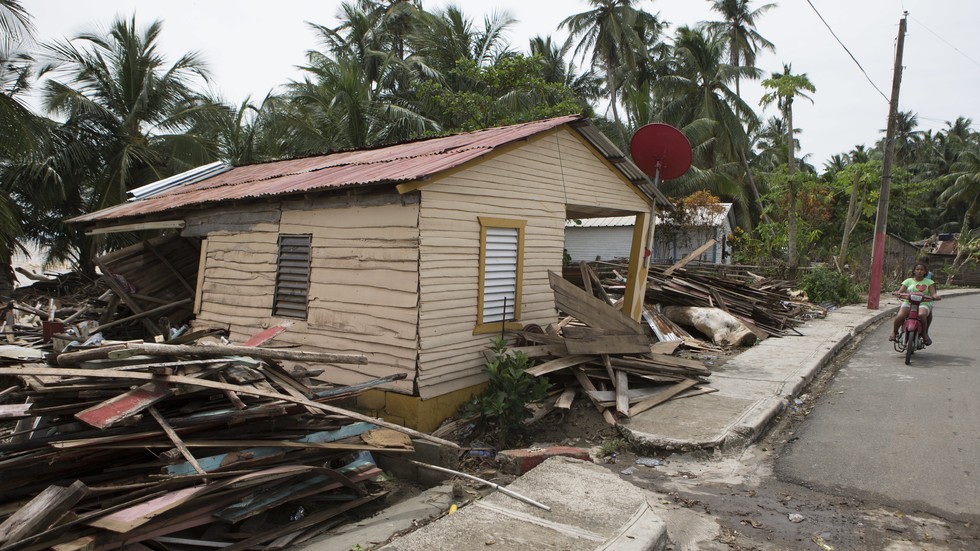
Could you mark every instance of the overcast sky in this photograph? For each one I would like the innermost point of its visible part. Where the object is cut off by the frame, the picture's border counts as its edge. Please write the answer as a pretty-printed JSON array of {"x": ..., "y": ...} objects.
[{"x": 253, "y": 46}]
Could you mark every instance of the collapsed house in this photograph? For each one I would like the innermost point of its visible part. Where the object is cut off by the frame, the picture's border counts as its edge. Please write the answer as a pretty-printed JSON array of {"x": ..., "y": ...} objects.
[{"x": 413, "y": 255}]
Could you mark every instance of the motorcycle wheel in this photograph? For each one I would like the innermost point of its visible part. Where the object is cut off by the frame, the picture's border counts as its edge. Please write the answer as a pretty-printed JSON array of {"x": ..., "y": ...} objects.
[{"x": 911, "y": 338}]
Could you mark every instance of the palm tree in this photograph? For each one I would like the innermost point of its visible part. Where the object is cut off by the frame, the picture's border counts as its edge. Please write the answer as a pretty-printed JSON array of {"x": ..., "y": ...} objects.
[
  {"x": 743, "y": 42},
  {"x": 118, "y": 95},
  {"x": 965, "y": 193},
  {"x": 613, "y": 31},
  {"x": 22, "y": 133},
  {"x": 785, "y": 88},
  {"x": 697, "y": 88},
  {"x": 338, "y": 106},
  {"x": 738, "y": 28},
  {"x": 444, "y": 37},
  {"x": 554, "y": 69}
]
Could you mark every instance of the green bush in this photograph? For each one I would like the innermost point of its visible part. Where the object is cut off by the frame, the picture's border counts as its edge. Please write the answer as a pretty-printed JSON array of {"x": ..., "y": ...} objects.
[
  {"x": 823, "y": 284},
  {"x": 509, "y": 389}
]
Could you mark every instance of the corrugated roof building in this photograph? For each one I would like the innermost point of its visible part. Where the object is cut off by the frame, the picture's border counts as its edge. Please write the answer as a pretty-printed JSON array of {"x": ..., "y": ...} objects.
[{"x": 414, "y": 254}]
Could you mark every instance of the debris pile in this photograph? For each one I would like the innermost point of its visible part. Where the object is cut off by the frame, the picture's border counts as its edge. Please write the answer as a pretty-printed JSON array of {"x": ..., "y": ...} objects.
[
  {"x": 600, "y": 350},
  {"x": 207, "y": 446},
  {"x": 625, "y": 367}
]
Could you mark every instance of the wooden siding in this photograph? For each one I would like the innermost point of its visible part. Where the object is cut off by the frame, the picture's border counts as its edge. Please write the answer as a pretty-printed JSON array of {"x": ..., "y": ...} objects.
[
  {"x": 533, "y": 183},
  {"x": 589, "y": 181},
  {"x": 363, "y": 283}
]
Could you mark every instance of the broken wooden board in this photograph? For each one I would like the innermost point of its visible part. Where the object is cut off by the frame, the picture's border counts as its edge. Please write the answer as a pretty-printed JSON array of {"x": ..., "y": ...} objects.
[
  {"x": 177, "y": 379},
  {"x": 557, "y": 364},
  {"x": 267, "y": 335},
  {"x": 662, "y": 397},
  {"x": 585, "y": 340},
  {"x": 590, "y": 310},
  {"x": 41, "y": 512},
  {"x": 125, "y": 405}
]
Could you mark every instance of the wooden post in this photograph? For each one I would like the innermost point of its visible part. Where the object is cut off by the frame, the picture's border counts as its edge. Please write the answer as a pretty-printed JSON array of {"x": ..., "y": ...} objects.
[{"x": 881, "y": 219}]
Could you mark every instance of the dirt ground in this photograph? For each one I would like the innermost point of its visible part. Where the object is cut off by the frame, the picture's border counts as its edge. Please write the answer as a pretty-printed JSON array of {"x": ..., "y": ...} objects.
[{"x": 736, "y": 502}]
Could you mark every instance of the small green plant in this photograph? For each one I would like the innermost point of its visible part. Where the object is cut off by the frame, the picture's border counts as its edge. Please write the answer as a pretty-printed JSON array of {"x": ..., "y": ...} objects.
[
  {"x": 823, "y": 284},
  {"x": 509, "y": 388},
  {"x": 613, "y": 446}
]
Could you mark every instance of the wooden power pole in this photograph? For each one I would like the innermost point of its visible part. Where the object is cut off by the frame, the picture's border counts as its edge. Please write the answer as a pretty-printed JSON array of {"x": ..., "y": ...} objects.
[{"x": 881, "y": 219}]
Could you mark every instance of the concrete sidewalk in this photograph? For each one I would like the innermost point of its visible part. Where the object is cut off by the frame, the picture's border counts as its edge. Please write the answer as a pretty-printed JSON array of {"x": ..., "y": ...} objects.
[
  {"x": 756, "y": 385},
  {"x": 593, "y": 508}
]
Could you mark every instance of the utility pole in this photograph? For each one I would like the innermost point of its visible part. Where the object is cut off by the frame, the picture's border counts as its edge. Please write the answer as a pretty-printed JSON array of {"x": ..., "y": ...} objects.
[{"x": 881, "y": 219}]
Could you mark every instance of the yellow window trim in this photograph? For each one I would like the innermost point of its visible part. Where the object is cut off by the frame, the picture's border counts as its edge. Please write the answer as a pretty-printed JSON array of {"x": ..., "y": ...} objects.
[{"x": 495, "y": 327}]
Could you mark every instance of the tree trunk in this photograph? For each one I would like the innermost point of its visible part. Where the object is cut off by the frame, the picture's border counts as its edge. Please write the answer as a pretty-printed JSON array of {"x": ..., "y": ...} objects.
[
  {"x": 7, "y": 276},
  {"x": 794, "y": 261},
  {"x": 613, "y": 88},
  {"x": 755, "y": 191},
  {"x": 723, "y": 328},
  {"x": 849, "y": 224}
]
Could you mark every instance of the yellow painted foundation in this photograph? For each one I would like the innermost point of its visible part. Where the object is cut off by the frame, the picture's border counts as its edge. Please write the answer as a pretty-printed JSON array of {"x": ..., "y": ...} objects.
[{"x": 414, "y": 412}]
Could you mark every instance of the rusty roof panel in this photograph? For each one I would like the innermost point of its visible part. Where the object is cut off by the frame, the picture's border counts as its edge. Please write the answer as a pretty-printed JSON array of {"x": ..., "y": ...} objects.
[{"x": 393, "y": 164}]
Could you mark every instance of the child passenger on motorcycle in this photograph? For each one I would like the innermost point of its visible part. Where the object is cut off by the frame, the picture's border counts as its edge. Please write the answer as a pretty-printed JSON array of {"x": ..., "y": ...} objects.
[{"x": 918, "y": 283}]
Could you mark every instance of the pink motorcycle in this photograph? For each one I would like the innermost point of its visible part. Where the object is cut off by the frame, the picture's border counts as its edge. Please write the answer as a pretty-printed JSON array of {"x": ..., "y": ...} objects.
[{"x": 909, "y": 338}]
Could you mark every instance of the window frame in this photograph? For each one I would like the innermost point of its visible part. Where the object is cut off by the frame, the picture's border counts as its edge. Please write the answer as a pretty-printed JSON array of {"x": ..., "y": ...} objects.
[
  {"x": 282, "y": 283},
  {"x": 485, "y": 327}
]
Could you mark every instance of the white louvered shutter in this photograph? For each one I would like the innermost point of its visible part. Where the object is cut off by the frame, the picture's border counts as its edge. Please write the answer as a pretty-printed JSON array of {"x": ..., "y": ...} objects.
[{"x": 500, "y": 274}]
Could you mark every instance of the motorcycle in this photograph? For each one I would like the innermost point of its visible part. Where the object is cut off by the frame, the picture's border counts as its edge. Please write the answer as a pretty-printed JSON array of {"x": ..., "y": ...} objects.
[{"x": 909, "y": 338}]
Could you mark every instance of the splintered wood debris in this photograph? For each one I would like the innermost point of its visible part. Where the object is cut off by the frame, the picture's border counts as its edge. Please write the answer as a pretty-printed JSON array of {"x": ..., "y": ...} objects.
[
  {"x": 625, "y": 368},
  {"x": 176, "y": 445}
]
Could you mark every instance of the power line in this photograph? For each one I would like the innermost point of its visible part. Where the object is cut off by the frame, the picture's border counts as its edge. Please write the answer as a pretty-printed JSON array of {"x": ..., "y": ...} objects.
[
  {"x": 846, "y": 50},
  {"x": 947, "y": 42}
]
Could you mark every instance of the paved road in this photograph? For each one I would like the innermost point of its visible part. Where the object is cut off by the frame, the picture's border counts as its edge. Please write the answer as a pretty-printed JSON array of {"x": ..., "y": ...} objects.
[{"x": 905, "y": 436}]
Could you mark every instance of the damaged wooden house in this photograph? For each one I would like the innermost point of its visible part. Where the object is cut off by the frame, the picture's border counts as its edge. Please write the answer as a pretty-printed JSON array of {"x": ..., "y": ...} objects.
[{"x": 413, "y": 254}]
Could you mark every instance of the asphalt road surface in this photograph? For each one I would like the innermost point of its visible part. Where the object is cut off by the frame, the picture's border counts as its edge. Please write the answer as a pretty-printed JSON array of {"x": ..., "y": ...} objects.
[{"x": 906, "y": 436}]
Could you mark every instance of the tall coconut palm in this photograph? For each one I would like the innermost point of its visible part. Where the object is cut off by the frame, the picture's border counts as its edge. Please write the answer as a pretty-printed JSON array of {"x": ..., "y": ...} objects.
[
  {"x": 337, "y": 106},
  {"x": 743, "y": 42},
  {"x": 118, "y": 94},
  {"x": 444, "y": 37},
  {"x": 738, "y": 27},
  {"x": 784, "y": 88},
  {"x": 697, "y": 87},
  {"x": 612, "y": 33},
  {"x": 555, "y": 69}
]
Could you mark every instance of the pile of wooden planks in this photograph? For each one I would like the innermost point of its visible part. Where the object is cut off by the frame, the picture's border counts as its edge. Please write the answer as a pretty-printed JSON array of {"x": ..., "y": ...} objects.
[
  {"x": 608, "y": 356},
  {"x": 181, "y": 445}
]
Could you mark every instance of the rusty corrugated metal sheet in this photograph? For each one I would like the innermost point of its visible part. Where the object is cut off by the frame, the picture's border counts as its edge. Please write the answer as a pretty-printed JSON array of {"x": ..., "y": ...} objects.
[{"x": 394, "y": 164}]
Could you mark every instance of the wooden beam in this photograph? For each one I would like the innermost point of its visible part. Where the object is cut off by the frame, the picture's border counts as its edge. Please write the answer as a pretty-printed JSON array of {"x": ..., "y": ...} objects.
[
  {"x": 217, "y": 350},
  {"x": 622, "y": 394},
  {"x": 159, "y": 225},
  {"x": 175, "y": 438},
  {"x": 691, "y": 256}
]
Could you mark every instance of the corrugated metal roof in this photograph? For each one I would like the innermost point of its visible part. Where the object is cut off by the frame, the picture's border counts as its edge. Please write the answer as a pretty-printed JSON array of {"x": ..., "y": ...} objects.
[
  {"x": 184, "y": 178},
  {"x": 705, "y": 218},
  {"x": 393, "y": 164},
  {"x": 603, "y": 222}
]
